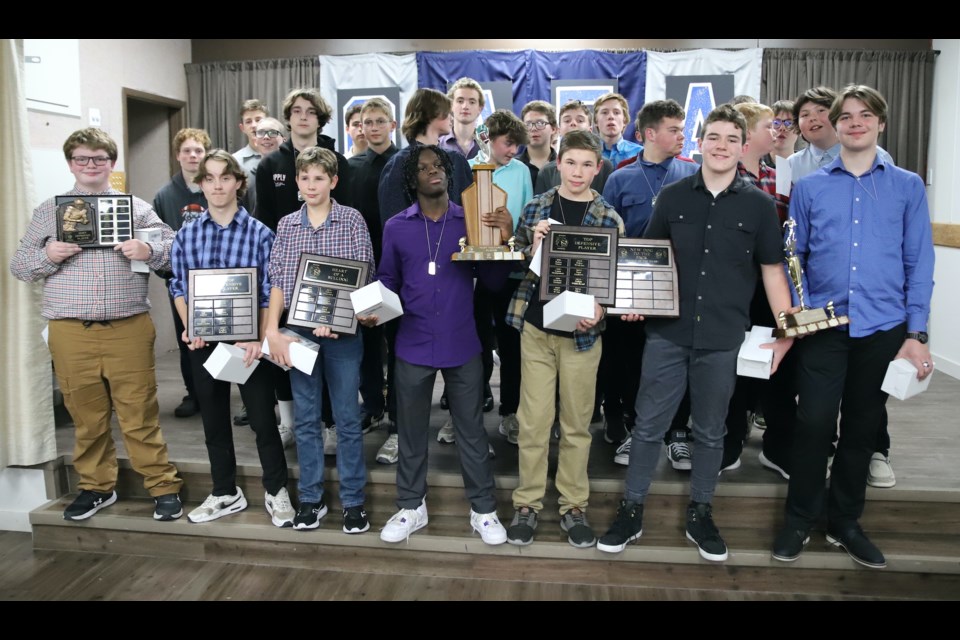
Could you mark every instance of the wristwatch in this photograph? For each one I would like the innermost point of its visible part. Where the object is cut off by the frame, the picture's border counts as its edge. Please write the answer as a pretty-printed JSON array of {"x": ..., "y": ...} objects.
[{"x": 919, "y": 336}]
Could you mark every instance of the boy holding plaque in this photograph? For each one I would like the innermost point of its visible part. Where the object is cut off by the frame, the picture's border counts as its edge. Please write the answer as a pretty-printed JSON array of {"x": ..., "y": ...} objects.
[
  {"x": 225, "y": 236},
  {"x": 101, "y": 336},
  {"x": 324, "y": 227},
  {"x": 547, "y": 355},
  {"x": 437, "y": 333}
]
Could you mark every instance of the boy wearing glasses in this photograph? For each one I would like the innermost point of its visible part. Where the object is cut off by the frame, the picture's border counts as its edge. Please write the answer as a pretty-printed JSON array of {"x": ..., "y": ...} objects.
[
  {"x": 101, "y": 336},
  {"x": 540, "y": 119}
]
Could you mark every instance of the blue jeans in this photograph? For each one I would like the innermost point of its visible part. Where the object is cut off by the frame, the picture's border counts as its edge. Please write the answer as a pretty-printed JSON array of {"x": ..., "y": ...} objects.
[
  {"x": 666, "y": 372},
  {"x": 338, "y": 363}
]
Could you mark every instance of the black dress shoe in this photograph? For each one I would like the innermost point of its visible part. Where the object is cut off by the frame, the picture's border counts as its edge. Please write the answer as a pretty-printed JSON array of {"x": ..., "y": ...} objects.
[
  {"x": 789, "y": 543},
  {"x": 857, "y": 545},
  {"x": 187, "y": 407}
]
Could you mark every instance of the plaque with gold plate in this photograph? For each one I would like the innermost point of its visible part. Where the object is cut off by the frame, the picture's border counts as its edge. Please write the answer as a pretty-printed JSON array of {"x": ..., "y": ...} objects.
[
  {"x": 807, "y": 320},
  {"x": 646, "y": 279},
  {"x": 483, "y": 242},
  {"x": 94, "y": 221},
  {"x": 223, "y": 304},
  {"x": 321, "y": 295},
  {"x": 579, "y": 259}
]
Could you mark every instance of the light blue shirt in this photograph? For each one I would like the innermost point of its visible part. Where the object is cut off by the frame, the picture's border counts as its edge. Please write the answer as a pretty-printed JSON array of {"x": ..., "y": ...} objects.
[
  {"x": 620, "y": 151},
  {"x": 514, "y": 178},
  {"x": 866, "y": 244},
  {"x": 806, "y": 161}
]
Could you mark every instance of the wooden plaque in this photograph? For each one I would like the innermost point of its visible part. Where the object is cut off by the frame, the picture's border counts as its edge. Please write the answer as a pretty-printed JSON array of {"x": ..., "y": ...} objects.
[{"x": 94, "y": 221}]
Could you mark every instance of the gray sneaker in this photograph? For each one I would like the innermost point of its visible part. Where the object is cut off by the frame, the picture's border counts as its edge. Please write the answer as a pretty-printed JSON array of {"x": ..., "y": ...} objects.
[
  {"x": 579, "y": 533},
  {"x": 447, "y": 435},
  {"x": 524, "y": 523},
  {"x": 390, "y": 450},
  {"x": 510, "y": 427},
  {"x": 279, "y": 507}
]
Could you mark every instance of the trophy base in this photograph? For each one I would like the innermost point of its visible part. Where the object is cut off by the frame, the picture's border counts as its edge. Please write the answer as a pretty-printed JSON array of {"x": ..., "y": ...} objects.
[
  {"x": 800, "y": 325},
  {"x": 471, "y": 254}
]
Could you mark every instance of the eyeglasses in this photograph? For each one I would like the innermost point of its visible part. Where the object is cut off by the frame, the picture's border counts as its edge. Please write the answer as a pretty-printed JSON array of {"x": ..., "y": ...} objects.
[
  {"x": 268, "y": 133},
  {"x": 536, "y": 124},
  {"x": 379, "y": 122},
  {"x": 98, "y": 161},
  {"x": 782, "y": 123},
  {"x": 424, "y": 168}
]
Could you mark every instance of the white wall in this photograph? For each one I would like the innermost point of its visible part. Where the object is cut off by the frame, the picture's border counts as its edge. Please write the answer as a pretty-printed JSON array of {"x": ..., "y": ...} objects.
[
  {"x": 944, "y": 196},
  {"x": 22, "y": 491}
]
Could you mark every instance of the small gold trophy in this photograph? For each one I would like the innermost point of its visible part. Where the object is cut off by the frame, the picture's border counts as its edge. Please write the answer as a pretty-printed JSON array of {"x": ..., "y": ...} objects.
[
  {"x": 483, "y": 242},
  {"x": 807, "y": 320}
]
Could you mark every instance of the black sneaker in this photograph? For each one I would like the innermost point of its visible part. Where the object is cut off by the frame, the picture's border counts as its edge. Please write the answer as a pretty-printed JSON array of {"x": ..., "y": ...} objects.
[
  {"x": 241, "y": 419},
  {"x": 88, "y": 503},
  {"x": 309, "y": 514},
  {"x": 789, "y": 543},
  {"x": 579, "y": 533},
  {"x": 857, "y": 545},
  {"x": 187, "y": 407},
  {"x": 444, "y": 403},
  {"x": 614, "y": 431},
  {"x": 524, "y": 523},
  {"x": 625, "y": 529},
  {"x": 355, "y": 520},
  {"x": 702, "y": 532},
  {"x": 369, "y": 422},
  {"x": 167, "y": 507}
]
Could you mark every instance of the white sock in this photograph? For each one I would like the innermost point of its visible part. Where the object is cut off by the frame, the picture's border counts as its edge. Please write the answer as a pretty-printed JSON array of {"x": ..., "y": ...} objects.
[{"x": 286, "y": 413}]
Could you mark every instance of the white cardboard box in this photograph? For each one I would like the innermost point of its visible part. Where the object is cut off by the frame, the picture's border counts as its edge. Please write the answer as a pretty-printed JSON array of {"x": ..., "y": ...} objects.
[
  {"x": 566, "y": 310},
  {"x": 145, "y": 235},
  {"x": 901, "y": 380},
  {"x": 752, "y": 361},
  {"x": 303, "y": 352},
  {"x": 226, "y": 363},
  {"x": 376, "y": 299}
]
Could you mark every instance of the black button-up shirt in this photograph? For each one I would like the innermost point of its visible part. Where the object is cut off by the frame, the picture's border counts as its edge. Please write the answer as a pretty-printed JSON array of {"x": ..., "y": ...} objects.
[{"x": 718, "y": 243}]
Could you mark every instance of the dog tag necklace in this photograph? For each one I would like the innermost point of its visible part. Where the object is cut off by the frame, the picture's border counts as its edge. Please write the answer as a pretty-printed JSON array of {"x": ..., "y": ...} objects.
[
  {"x": 656, "y": 194},
  {"x": 432, "y": 266}
]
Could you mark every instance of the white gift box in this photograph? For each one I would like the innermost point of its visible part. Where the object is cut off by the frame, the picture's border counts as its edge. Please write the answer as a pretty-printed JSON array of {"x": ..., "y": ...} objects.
[
  {"x": 566, "y": 310},
  {"x": 376, "y": 299},
  {"x": 145, "y": 235},
  {"x": 901, "y": 380},
  {"x": 226, "y": 363},
  {"x": 303, "y": 352},
  {"x": 752, "y": 361}
]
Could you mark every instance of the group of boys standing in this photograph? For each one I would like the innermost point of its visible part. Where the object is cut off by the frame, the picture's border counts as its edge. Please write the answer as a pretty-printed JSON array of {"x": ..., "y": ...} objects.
[{"x": 862, "y": 235}]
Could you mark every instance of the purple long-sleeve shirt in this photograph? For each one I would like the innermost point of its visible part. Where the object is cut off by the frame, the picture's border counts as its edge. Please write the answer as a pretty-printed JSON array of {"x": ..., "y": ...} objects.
[{"x": 437, "y": 328}]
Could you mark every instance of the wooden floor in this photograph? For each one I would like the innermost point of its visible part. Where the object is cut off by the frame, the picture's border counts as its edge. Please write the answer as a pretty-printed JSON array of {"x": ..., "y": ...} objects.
[{"x": 925, "y": 454}]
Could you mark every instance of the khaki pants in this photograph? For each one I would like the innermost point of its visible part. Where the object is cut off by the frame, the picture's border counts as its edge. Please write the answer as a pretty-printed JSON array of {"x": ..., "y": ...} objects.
[
  {"x": 105, "y": 367},
  {"x": 544, "y": 358}
]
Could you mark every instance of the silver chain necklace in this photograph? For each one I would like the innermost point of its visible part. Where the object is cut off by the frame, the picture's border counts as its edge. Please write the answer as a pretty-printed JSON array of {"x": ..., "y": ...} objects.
[{"x": 432, "y": 267}]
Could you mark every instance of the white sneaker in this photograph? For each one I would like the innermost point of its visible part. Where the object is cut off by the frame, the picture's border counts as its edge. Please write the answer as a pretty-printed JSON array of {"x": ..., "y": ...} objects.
[
  {"x": 446, "y": 434},
  {"x": 488, "y": 526},
  {"x": 510, "y": 428},
  {"x": 623, "y": 452},
  {"x": 730, "y": 467},
  {"x": 286, "y": 435},
  {"x": 403, "y": 523},
  {"x": 880, "y": 473},
  {"x": 390, "y": 450},
  {"x": 218, "y": 506},
  {"x": 330, "y": 441},
  {"x": 279, "y": 507}
]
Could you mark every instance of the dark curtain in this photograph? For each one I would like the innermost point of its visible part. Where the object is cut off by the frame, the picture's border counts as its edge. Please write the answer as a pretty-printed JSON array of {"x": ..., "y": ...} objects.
[
  {"x": 905, "y": 78},
  {"x": 216, "y": 90}
]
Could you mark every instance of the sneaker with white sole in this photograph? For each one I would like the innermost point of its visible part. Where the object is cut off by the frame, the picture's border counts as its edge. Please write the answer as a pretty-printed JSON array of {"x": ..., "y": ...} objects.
[
  {"x": 330, "y": 441},
  {"x": 678, "y": 451},
  {"x": 309, "y": 515},
  {"x": 627, "y": 527},
  {"x": 446, "y": 435},
  {"x": 280, "y": 509},
  {"x": 286, "y": 435},
  {"x": 390, "y": 450},
  {"x": 704, "y": 533},
  {"x": 510, "y": 427},
  {"x": 488, "y": 526},
  {"x": 403, "y": 523},
  {"x": 218, "y": 506},
  {"x": 167, "y": 507},
  {"x": 730, "y": 467},
  {"x": 522, "y": 527},
  {"x": 770, "y": 464},
  {"x": 88, "y": 503},
  {"x": 579, "y": 532},
  {"x": 355, "y": 520},
  {"x": 622, "y": 456},
  {"x": 880, "y": 473}
]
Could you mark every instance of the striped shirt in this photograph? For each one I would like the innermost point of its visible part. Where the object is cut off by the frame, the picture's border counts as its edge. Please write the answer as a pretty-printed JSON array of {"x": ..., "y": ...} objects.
[
  {"x": 95, "y": 284},
  {"x": 204, "y": 244},
  {"x": 599, "y": 214},
  {"x": 342, "y": 235}
]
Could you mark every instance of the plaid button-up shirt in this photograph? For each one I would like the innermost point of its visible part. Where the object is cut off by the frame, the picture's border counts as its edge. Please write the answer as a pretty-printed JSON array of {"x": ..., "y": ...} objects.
[
  {"x": 95, "y": 284},
  {"x": 767, "y": 182},
  {"x": 343, "y": 234},
  {"x": 599, "y": 214}
]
